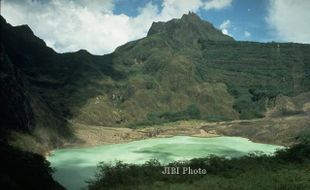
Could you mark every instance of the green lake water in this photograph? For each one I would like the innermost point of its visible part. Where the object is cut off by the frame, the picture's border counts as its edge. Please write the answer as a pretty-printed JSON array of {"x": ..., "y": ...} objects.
[{"x": 75, "y": 165}]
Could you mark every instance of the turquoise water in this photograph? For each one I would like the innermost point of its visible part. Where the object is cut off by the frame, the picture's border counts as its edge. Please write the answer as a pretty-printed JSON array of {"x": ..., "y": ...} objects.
[{"x": 75, "y": 165}]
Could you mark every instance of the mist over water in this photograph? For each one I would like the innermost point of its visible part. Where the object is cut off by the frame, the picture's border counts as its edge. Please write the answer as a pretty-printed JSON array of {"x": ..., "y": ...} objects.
[{"x": 75, "y": 165}]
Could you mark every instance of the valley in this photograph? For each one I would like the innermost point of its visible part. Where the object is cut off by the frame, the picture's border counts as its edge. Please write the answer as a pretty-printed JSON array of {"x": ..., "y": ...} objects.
[{"x": 184, "y": 80}]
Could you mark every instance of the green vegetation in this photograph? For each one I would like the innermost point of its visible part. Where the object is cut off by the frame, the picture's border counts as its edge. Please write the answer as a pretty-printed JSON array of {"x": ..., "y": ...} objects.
[
  {"x": 287, "y": 169},
  {"x": 191, "y": 112},
  {"x": 25, "y": 170},
  {"x": 184, "y": 69},
  {"x": 175, "y": 67}
]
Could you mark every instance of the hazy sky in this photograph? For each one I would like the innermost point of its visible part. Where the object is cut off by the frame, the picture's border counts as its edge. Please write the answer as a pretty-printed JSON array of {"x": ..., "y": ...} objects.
[{"x": 102, "y": 25}]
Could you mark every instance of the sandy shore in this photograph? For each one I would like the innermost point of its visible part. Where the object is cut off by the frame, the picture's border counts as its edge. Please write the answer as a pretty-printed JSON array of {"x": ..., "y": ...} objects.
[
  {"x": 98, "y": 135},
  {"x": 277, "y": 131}
]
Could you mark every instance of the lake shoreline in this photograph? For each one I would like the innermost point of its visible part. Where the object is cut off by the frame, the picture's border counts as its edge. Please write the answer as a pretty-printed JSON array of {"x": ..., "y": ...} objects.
[
  {"x": 90, "y": 136},
  {"x": 83, "y": 162}
]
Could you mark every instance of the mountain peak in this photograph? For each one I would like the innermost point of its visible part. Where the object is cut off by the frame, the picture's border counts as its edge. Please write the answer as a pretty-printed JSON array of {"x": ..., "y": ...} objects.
[
  {"x": 188, "y": 28},
  {"x": 190, "y": 16}
]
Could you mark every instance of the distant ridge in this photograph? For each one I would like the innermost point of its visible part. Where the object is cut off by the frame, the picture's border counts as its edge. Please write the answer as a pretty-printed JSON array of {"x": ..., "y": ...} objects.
[{"x": 183, "y": 69}]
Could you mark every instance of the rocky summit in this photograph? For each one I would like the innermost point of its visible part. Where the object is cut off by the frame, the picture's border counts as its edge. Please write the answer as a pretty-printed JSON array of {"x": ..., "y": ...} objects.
[
  {"x": 185, "y": 77},
  {"x": 183, "y": 69}
]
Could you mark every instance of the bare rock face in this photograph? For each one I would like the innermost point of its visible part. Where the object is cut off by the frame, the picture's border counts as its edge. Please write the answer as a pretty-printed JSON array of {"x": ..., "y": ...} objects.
[
  {"x": 183, "y": 69},
  {"x": 188, "y": 30}
]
